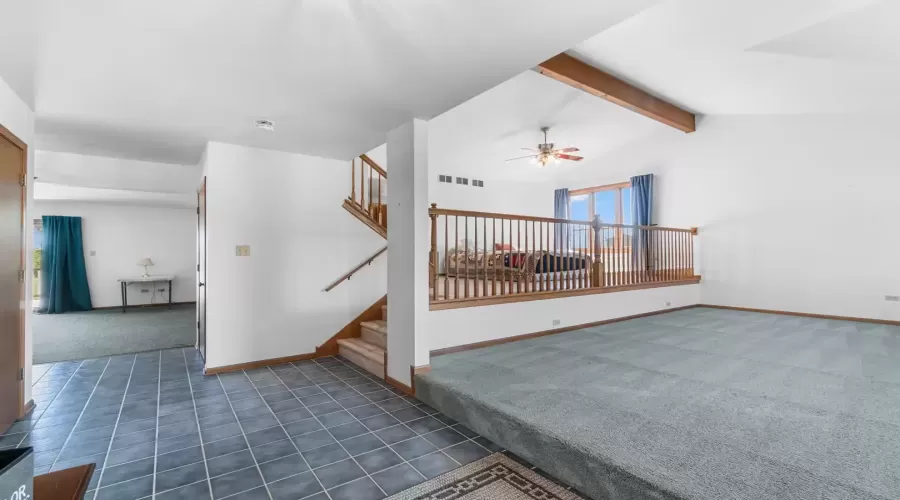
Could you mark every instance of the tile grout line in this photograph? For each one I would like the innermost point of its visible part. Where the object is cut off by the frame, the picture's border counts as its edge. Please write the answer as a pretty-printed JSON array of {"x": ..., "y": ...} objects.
[
  {"x": 156, "y": 436},
  {"x": 326, "y": 428},
  {"x": 405, "y": 461},
  {"x": 116, "y": 426},
  {"x": 244, "y": 435},
  {"x": 86, "y": 403},
  {"x": 289, "y": 437},
  {"x": 197, "y": 421},
  {"x": 50, "y": 403},
  {"x": 417, "y": 433}
]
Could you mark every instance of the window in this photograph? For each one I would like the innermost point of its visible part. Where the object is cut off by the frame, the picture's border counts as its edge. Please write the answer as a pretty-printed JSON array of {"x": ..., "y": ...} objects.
[{"x": 612, "y": 203}]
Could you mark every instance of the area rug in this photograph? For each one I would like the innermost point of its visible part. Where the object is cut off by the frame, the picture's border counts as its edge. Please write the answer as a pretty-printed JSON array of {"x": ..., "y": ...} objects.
[{"x": 496, "y": 477}]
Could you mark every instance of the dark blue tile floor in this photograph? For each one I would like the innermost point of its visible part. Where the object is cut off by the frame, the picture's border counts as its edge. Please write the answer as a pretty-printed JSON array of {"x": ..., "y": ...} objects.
[{"x": 158, "y": 428}]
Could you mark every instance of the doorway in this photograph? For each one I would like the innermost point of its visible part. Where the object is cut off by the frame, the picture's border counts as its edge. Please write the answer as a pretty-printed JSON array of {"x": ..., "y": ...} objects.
[
  {"x": 13, "y": 155},
  {"x": 201, "y": 270}
]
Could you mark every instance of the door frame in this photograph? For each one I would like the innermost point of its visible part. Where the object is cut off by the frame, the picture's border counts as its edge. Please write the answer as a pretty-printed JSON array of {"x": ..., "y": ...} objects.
[
  {"x": 23, "y": 172},
  {"x": 201, "y": 289}
]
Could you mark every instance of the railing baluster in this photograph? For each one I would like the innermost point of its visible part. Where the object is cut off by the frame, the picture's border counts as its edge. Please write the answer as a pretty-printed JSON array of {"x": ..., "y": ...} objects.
[
  {"x": 433, "y": 257},
  {"x": 353, "y": 179},
  {"x": 476, "y": 258},
  {"x": 456, "y": 256},
  {"x": 466, "y": 239},
  {"x": 484, "y": 257},
  {"x": 493, "y": 257},
  {"x": 446, "y": 257},
  {"x": 380, "y": 211}
]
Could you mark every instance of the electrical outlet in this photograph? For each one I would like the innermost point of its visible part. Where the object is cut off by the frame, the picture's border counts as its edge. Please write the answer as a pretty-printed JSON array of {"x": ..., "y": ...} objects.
[
  {"x": 242, "y": 251},
  {"x": 145, "y": 290},
  {"x": 668, "y": 304},
  {"x": 556, "y": 322},
  {"x": 93, "y": 253},
  {"x": 892, "y": 298}
]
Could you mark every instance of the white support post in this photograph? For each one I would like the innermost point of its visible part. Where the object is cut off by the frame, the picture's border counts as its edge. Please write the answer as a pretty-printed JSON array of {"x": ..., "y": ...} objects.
[{"x": 408, "y": 247}]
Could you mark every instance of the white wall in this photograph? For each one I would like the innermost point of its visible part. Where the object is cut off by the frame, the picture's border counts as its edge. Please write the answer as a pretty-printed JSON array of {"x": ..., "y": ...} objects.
[
  {"x": 120, "y": 235},
  {"x": 796, "y": 213},
  {"x": 16, "y": 116},
  {"x": 455, "y": 327},
  {"x": 287, "y": 207}
]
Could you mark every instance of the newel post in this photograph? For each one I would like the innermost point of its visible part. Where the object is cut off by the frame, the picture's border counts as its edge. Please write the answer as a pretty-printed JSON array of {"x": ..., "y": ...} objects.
[
  {"x": 353, "y": 180},
  {"x": 597, "y": 274},
  {"x": 433, "y": 255}
]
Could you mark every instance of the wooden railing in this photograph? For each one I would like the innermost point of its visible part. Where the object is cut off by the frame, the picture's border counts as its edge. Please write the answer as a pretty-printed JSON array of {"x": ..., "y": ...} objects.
[
  {"x": 368, "y": 186},
  {"x": 480, "y": 257},
  {"x": 353, "y": 271}
]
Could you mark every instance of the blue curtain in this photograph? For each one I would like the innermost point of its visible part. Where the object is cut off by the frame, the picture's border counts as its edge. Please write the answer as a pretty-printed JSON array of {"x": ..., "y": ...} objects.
[
  {"x": 64, "y": 285},
  {"x": 560, "y": 211},
  {"x": 642, "y": 215}
]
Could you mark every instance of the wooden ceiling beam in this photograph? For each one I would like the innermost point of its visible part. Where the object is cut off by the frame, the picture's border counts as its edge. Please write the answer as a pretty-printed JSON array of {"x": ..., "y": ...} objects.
[{"x": 581, "y": 75}]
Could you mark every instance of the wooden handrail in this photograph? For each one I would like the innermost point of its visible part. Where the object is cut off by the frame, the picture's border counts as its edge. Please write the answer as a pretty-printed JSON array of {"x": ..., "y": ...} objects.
[
  {"x": 355, "y": 269},
  {"x": 483, "y": 256},
  {"x": 374, "y": 165},
  {"x": 490, "y": 215}
]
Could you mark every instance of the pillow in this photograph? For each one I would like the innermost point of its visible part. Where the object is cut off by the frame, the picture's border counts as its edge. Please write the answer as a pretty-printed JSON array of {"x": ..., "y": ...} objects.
[{"x": 507, "y": 247}]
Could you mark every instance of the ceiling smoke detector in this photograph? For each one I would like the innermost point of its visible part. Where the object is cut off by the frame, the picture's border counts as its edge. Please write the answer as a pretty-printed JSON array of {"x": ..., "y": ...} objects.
[{"x": 265, "y": 125}]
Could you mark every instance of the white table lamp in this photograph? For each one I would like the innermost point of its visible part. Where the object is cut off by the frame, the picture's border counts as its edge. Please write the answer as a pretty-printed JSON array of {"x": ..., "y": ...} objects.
[{"x": 145, "y": 262}]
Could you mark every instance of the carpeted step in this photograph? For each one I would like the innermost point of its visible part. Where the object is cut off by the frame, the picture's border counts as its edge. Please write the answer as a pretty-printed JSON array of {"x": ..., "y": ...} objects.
[
  {"x": 363, "y": 354},
  {"x": 375, "y": 332}
]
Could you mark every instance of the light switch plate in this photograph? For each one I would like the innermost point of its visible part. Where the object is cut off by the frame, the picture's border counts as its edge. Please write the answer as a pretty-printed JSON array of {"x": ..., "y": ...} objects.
[{"x": 242, "y": 251}]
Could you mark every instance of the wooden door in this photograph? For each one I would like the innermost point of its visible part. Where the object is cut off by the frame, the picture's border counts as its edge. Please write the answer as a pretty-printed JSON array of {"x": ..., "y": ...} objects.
[
  {"x": 12, "y": 288},
  {"x": 201, "y": 269}
]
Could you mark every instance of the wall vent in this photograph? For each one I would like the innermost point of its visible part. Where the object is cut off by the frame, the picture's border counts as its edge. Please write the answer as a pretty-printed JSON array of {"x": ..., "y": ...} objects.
[
  {"x": 462, "y": 180},
  {"x": 445, "y": 178},
  {"x": 477, "y": 183}
]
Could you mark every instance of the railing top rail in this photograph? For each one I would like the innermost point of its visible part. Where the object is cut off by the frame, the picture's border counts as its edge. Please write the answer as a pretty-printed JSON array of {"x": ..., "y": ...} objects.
[
  {"x": 374, "y": 165},
  {"x": 361, "y": 265},
  {"x": 490, "y": 215}
]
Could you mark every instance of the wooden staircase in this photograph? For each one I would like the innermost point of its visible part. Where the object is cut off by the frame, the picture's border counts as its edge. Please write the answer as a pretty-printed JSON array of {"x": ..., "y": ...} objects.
[
  {"x": 366, "y": 203},
  {"x": 369, "y": 350}
]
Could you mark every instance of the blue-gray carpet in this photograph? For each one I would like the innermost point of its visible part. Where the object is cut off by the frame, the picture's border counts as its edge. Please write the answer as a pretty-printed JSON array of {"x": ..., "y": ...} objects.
[
  {"x": 109, "y": 332},
  {"x": 694, "y": 404}
]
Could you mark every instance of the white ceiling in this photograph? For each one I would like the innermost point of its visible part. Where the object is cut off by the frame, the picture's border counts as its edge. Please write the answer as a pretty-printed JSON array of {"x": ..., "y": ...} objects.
[
  {"x": 476, "y": 138},
  {"x": 760, "y": 56},
  {"x": 155, "y": 80}
]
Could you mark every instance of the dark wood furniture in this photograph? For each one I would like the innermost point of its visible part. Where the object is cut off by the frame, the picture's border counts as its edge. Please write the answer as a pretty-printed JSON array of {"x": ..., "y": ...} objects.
[{"x": 66, "y": 484}]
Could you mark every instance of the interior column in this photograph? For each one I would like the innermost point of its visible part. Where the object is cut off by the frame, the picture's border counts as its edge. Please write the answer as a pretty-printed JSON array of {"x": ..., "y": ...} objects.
[{"x": 408, "y": 247}]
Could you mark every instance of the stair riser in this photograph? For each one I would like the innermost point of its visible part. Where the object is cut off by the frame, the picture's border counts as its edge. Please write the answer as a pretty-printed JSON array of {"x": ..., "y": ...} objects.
[
  {"x": 384, "y": 313},
  {"x": 373, "y": 337},
  {"x": 376, "y": 369}
]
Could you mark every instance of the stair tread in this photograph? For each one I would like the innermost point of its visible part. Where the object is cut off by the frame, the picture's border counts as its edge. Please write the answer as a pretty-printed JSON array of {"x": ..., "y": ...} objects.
[
  {"x": 378, "y": 325},
  {"x": 364, "y": 348}
]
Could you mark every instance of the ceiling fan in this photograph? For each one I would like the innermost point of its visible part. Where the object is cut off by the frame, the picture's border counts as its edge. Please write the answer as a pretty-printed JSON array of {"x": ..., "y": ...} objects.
[{"x": 545, "y": 153}]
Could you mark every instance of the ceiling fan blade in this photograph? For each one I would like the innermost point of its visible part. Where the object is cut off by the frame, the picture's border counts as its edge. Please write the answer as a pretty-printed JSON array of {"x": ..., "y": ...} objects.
[
  {"x": 570, "y": 157},
  {"x": 529, "y": 149},
  {"x": 568, "y": 150},
  {"x": 521, "y": 157}
]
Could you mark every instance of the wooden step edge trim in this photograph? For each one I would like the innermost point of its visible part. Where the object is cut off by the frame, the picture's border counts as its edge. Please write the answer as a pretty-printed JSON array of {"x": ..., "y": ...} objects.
[
  {"x": 374, "y": 326},
  {"x": 352, "y": 329},
  {"x": 251, "y": 365},
  {"x": 370, "y": 354}
]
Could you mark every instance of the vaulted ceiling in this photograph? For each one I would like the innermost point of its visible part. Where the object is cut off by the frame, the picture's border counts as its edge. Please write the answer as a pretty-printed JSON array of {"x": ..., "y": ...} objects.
[{"x": 155, "y": 80}]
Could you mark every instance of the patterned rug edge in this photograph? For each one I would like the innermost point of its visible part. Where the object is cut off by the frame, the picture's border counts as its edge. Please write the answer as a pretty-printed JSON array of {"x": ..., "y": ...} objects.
[{"x": 468, "y": 479}]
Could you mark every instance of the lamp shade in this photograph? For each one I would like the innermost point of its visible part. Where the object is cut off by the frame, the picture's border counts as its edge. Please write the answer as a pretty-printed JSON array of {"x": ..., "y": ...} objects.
[{"x": 145, "y": 262}]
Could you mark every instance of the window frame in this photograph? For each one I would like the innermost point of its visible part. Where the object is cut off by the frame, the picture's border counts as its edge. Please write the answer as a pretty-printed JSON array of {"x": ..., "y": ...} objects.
[{"x": 590, "y": 191}]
